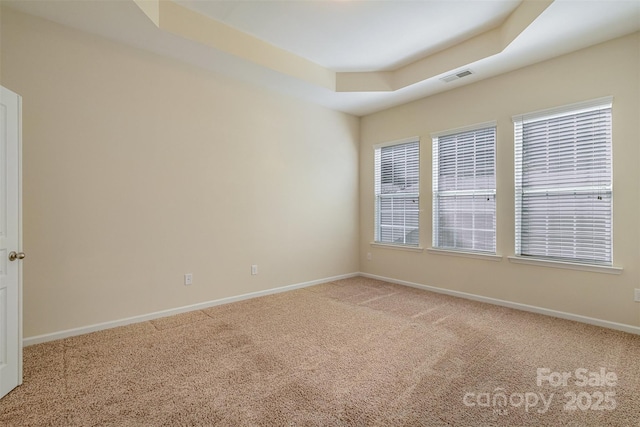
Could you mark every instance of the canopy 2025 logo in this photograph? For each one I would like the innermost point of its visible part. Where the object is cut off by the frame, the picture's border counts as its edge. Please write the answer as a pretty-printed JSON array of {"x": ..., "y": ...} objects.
[{"x": 583, "y": 398}]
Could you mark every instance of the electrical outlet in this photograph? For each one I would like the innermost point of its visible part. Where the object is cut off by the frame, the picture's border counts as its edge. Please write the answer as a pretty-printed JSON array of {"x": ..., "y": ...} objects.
[
  {"x": 636, "y": 295},
  {"x": 188, "y": 279},
  {"x": 254, "y": 269},
  {"x": 369, "y": 256}
]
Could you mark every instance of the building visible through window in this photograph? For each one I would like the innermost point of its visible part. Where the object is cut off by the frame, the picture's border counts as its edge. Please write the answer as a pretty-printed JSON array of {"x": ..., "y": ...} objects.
[
  {"x": 397, "y": 193},
  {"x": 563, "y": 170},
  {"x": 464, "y": 189}
]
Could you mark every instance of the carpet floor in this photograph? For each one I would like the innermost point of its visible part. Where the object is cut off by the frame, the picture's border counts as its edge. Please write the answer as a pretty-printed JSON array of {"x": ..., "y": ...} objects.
[{"x": 354, "y": 352}]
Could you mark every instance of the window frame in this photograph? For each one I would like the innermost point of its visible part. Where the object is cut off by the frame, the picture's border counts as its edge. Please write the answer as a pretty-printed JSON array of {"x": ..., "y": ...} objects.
[
  {"x": 546, "y": 115},
  {"x": 378, "y": 195},
  {"x": 437, "y": 246}
]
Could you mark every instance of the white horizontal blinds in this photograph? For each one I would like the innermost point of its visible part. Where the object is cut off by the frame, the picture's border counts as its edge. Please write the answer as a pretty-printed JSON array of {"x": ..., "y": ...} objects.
[
  {"x": 563, "y": 184},
  {"x": 397, "y": 179},
  {"x": 464, "y": 187}
]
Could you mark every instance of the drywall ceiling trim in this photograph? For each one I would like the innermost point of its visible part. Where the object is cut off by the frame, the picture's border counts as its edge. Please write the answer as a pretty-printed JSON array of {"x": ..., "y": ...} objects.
[
  {"x": 194, "y": 26},
  {"x": 474, "y": 49},
  {"x": 184, "y": 22},
  {"x": 381, "y": 81},
  {"x": 151, "y": 8}
]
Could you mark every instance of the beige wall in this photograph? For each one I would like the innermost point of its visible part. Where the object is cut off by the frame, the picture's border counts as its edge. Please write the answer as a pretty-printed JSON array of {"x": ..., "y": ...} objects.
[
  {"x": 611, "y": 68},
  {"x": 138, "y": 169}
]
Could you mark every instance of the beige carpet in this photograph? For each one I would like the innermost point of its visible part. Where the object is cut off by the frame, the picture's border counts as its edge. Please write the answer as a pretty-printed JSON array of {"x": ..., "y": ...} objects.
[{"x": 356, "y": 352}]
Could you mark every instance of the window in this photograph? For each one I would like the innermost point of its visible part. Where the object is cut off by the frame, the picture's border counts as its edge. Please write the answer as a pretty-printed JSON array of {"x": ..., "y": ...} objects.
[
  {"x": 563, "y": 183},
  {"x": 397, "y": 179},
  {"x": 464, "y": 189}
]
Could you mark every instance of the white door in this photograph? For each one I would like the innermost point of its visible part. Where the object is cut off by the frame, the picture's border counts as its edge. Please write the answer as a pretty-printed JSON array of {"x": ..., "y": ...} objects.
[{"x": 10, "y": 241}]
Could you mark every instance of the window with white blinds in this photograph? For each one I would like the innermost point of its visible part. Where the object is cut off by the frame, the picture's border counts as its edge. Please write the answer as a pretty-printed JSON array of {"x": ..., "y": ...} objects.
[
  {"x": 464, "y": 189},
  {"x": 397, "y": 193},
  {"x": 563, "y": 188}
]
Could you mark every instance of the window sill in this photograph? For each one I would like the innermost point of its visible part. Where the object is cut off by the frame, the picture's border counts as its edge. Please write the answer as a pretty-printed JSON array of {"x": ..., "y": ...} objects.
[
  {"x": 594, "y": 268},
  {"x": 398, "y": 247},
  {"x": 476, "y": 255}
]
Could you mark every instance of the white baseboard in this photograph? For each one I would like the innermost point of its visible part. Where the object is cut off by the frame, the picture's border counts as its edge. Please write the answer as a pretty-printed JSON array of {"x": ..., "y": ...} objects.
[
  {"x": 199, "y": 306},
  {"x": 170, "y": 312},
  {"x": 524, "y": 307}
]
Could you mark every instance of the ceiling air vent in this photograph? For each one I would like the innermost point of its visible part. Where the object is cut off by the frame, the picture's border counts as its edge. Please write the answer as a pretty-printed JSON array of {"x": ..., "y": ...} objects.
[{"x": 456, "y": 76}]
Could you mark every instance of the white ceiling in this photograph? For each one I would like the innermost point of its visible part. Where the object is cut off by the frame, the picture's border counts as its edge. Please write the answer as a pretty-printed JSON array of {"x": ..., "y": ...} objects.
[
  {"x": 343, "y": 35},
  {"x": 359, "y": 35}
]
